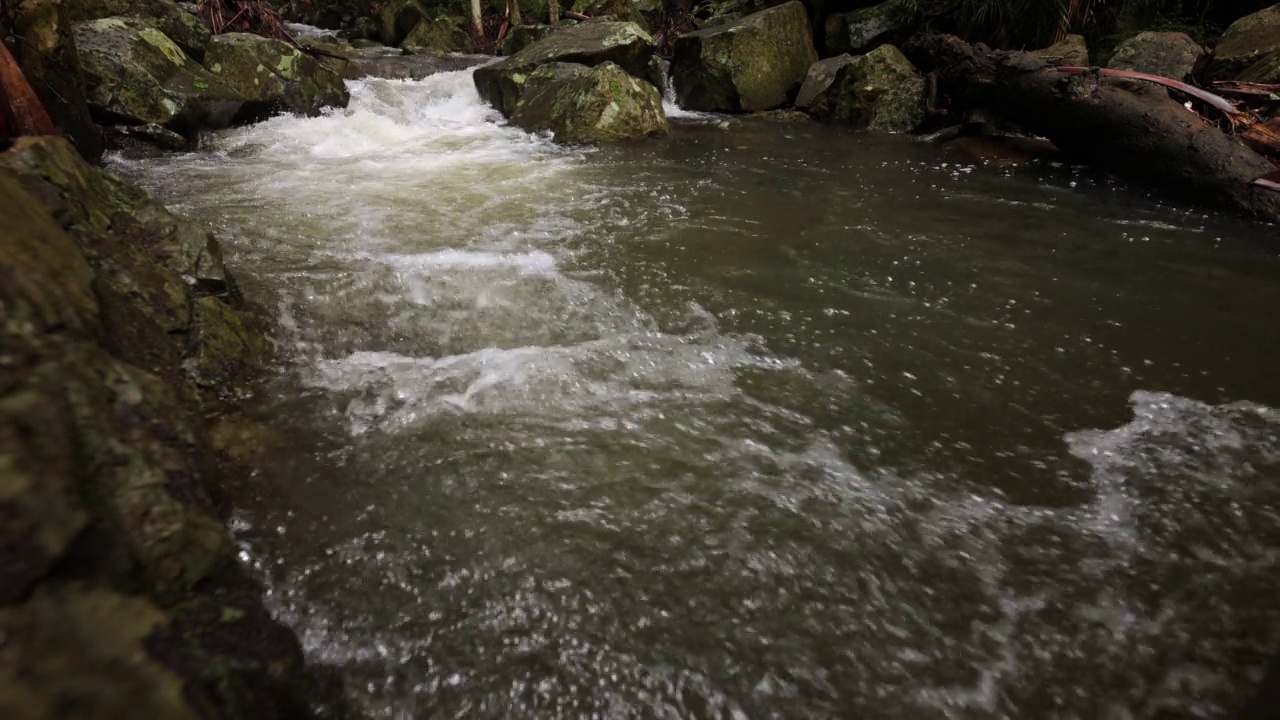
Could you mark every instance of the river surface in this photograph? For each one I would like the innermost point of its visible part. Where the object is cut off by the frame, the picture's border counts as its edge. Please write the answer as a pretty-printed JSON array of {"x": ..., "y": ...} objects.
[{"x": 761, "y": 420}]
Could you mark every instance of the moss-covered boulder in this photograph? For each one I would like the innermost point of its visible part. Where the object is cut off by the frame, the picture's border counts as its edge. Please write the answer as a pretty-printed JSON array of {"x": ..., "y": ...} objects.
[
  {"x": 592, "y": 43},
  {"x": 522, "y": 36},
  {"x": 179, "y": 25},
  {"x": 136, "y": 75},
  {"x": 815, "y": 96},
  {"x": 866, "y": 29},
  {"x": 46, "y": 51},
  {"x": 878, "y": 91},
  {"x": 755, "y": 63},
  {"x": 1247, "y": 41},
  {"x": 1170, "y": 54},
  {"x": 438, "y": 36},
  {"x": 645, "y": 13},
  {"x": 587, "y": 105},
  {"x": 1070, "y": 51},
  {"x": 273, "y": 76}
]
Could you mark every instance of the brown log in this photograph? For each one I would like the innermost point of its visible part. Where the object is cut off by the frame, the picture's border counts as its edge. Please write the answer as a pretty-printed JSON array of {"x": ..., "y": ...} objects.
[
  {"x": 25, "y": 114},
  {"x": 1264, "y": 138},
  {"x": 1132, "y": 129}
]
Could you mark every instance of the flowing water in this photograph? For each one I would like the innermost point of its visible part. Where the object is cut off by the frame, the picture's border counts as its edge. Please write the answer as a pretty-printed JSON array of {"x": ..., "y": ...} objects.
[{"x": 761, "y": 420}]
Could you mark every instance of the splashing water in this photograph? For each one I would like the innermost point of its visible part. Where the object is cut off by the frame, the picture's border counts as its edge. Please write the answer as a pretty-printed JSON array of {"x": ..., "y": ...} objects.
[{"x": 779, "y": 421}]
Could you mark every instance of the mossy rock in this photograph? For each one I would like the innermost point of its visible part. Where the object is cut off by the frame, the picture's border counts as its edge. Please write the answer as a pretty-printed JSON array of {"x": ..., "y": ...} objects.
[
  {"x": 645, "y": 13},
  {"x": 815, "y": 96},
  {"x": 136, "y": 75},
  {"x": 755, "y": 63},
  {"x": 438, "y": 36},
  {"x": 522, "y": 36},
  {"x": 274, "y": 76},
  {"x": 879, "y": 91},
  {"x": 1246, "y": 42},
  {"x": 864, "y": 30},
  {"x": 589, "y": 105},
  {"x": 180, "y": 26},
  {"x": 592, "y": 43},
  {"x": 1070, "y": 51},
  {"x": 1170, "y": 54},
  {"x": 1266, "y": 70}
]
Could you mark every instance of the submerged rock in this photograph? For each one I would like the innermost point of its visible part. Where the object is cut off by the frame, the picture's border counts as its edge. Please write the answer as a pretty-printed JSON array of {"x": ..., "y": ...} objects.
[
  {"x": 272, "y": 75},
  {"x": 877, "y": 91},
  {"x": 137, "y": 75},
  {"x": 584, "y": 105},
  {"x": 750, "y": 64},
  {"x": 1246, "y": 42},
  {"x": 861, "y": 31},
  {"x": 1070, "y": 51},
  {"x": 1170, "y": 54},
  {"x": 179, "y": 25},
  {"x": 815, "y": 94},
  {"x": 593, "y": 43}
]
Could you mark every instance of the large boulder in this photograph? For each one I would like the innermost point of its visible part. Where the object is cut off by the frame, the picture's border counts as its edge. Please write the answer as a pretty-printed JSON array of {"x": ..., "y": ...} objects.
[
  {"x": 437, "y": 36},
  {"x": 645, "y": 13},
  {"x": 179, "y": 25},
  {"x": 750, "y": 64},
  {"x": 878, "y": 91},
  {"x": 816, "y": 94},
  {"x": 1247, "y": 41},
  {"x": 586, "y": 105},
  {"x": 863, "y": 30},
  {"x": 136, "y": 75},
  {"x": 1070, "y": 51},
  {"x": 1170, "y": 54},
  {"x": 46, "y": 51},
  {"x": 272, "y": 75},
  {"x": 592, "y": 43}
]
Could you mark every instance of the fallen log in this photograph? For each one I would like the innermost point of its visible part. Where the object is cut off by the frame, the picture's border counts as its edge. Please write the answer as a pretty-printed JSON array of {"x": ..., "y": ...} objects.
[
  {"x": 1131, "y": 129},
  {"x": 1264, "y": 138},
  {"x": 20, "y": 108}
]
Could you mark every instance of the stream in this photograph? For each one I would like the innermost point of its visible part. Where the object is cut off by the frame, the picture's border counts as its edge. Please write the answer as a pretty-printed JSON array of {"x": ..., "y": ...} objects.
[{"x": 761, "y": 420}]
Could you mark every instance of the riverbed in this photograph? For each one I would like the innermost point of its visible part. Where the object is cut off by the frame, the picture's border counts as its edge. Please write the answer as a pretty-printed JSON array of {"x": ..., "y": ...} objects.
[{"x": 764, "y": 419}]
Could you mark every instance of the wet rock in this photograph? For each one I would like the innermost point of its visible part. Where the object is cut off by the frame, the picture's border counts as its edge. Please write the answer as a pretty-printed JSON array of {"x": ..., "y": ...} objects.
[
  {"x": 176, "y": 23},
  {"x": 137, "y": 75},
  {"x": 522, "y": 36},
  {"x": 1170, "y": 54},
  {"x": 224, "y": 346},
  {"x": 81, "y": 652},
  {"x": 878, "y": 91},
  {"x": 437, "y": 36},
  {"x": 1246, "y": 42},
  {"x": 861, "y": 31},
  {"x": 623, "y": 44},
  {"x": 1071, "y": 51},
  {"x": 584, "y": 105},
  {"x": 398, "y": 18},
  {"x": 273, "y": 76},
  {"x": 156, "y": 136},
  {"x": 46, "y": 50},
  {"x": 815, "y": 94},
  {"x": 659, "y": 73},
  {"x": 409, "y": 67},
  {"x": 751, "y": 64}
]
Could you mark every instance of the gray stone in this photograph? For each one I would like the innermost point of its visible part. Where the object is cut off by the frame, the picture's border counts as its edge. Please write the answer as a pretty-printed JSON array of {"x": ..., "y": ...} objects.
[{"x": 1169, "y": 54}]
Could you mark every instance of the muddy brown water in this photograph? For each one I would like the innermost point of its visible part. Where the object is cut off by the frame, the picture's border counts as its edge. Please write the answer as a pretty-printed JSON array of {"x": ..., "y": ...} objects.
[{"x": 765, "y": 420}]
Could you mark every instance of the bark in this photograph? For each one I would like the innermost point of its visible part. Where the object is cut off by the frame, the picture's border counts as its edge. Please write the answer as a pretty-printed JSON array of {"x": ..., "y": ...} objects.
[
  {"x": 553, "y": 12},
  {"x": 22, "y": 111},
  {"x": 1132, "y": 129},
  {"x": 477, "y": 23}
]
